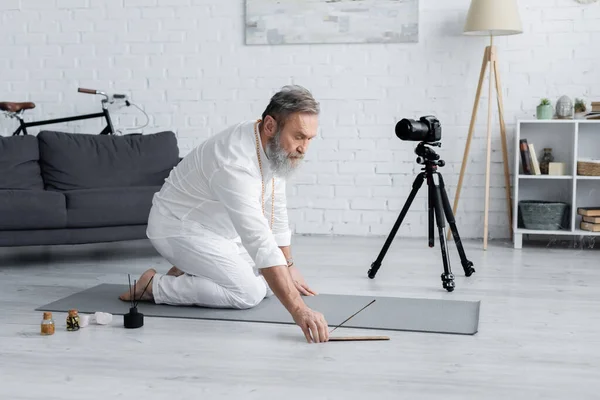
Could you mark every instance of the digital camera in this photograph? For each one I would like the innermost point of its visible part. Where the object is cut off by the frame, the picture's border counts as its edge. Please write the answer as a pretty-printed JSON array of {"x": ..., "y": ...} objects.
[{"x": 426, "y": 129}]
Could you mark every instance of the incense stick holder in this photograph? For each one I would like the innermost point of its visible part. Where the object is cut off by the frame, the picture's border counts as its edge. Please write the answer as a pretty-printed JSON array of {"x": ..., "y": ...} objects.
[{"x": 133, "y": 319}]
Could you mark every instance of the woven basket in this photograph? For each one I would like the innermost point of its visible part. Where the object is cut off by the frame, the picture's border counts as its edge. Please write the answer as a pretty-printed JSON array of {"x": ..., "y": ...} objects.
[
  {"x": 544, "y": 215},
  {"x": 588, "y": 168}
]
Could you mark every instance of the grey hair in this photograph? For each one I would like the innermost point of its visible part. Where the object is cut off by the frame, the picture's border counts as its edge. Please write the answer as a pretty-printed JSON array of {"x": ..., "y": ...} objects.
[{"x": 289, "y": 100}]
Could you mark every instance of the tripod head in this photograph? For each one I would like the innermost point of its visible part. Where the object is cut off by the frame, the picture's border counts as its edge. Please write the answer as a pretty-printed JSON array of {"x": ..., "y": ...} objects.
[{"x": 428, "y": 156}]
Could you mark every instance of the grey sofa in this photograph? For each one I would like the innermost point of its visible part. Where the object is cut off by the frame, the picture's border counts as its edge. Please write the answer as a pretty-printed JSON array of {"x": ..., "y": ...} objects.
[{"x": 62, "y": 188}]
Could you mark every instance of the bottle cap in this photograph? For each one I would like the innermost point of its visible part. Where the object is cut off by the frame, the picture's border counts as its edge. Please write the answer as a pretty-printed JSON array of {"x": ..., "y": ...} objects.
[
  {"x": 72, "y": 313},
  {"x": 47, "y": 315}
]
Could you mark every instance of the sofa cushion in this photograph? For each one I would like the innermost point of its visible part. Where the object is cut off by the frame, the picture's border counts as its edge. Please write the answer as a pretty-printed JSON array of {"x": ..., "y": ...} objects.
[
  {"x": 71, "y": 161},
  {"x": 19, "y": 168},
  {"x": 109, "y": 206},
  {"x": 32, "y": 209}
]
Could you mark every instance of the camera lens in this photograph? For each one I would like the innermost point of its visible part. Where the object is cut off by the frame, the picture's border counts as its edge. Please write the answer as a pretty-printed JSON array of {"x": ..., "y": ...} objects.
[
  {"x": 404, "y": 129},
  {"x": 400, "y": 128},
  {"x": 409, "y": 129}
]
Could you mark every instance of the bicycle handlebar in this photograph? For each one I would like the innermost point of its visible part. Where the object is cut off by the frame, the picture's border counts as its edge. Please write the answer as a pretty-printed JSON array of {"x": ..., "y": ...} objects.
[
  {"x": 115, "y": 96},
  {"x": 88, "y": 91}
]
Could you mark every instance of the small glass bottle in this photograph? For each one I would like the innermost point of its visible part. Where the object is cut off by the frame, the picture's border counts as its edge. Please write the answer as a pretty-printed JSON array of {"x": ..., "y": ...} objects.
[
  {"x": 73, "y": 321},
  {"x": 547, "y": 158},
  {"x": 47, "y": 327}
]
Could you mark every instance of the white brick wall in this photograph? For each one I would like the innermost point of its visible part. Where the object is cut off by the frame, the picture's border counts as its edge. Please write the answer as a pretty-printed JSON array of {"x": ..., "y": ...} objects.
[{"x": 185, "y": 63}]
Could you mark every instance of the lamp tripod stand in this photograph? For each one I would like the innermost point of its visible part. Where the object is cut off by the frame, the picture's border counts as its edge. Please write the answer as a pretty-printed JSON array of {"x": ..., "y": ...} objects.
[{"x": 489, "y": 57}]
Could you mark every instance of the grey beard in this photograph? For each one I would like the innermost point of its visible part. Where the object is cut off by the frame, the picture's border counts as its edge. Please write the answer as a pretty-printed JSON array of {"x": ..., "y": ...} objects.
[{"x": 281, "y": 163}]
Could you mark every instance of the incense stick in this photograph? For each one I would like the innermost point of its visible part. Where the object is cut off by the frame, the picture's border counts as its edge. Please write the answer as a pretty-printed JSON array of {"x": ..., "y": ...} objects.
[
  {"x": 142, "y": 295},
  {"x": 130, "y": 294},
  {"x": 348, "y": 319},
  {"x": 357, "y": 338}
]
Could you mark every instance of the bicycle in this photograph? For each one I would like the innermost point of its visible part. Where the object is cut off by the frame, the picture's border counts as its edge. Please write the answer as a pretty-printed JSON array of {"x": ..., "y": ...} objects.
[{"x": 17, "y": 110}]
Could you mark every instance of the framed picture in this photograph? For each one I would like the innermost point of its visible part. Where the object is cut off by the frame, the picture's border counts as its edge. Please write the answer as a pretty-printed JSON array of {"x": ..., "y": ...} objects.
[{"x": 281, "y": 22}]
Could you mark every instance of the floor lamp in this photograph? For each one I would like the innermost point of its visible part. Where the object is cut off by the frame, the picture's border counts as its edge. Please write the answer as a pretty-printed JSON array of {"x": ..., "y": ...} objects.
[{"x": 490, "y": 18}]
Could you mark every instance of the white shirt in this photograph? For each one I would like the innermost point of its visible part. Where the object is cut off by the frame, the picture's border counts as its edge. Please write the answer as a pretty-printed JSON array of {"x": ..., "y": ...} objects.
[{"x": 218, "y": 187}]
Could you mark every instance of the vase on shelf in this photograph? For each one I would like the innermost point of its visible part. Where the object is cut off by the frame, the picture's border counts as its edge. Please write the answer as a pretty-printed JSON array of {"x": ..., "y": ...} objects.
[
  {"x": 547, "y": 158},
  {"x": 544, "y": 110}
]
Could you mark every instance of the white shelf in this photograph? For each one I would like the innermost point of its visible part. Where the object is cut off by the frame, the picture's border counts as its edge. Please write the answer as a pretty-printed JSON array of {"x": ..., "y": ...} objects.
[
  {"x": 588, "y": 121},
  {"x": 549, "y": 177},
  {"x": 570, "y": 140},
  {"x": 523, "y": 231},
  {"x": 553, "y": 121},
  {"x": 570, "y": 232},
  {"x": 585, "y": 233}
]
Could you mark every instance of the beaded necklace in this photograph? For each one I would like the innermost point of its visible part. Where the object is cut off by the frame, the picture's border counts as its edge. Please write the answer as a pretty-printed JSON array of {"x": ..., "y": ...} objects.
[{"x": 262, "y": 178}]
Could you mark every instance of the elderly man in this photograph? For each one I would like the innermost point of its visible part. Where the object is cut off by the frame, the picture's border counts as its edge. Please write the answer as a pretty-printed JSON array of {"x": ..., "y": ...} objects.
[{"x": 221, "y": 218}]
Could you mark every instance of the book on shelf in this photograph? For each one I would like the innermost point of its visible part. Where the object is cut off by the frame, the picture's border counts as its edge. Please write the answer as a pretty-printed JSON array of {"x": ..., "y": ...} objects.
[
  {"x": 587, "y": 226},
  {"x": 592, "y": 220},
  {"x": 589, "y": 211},
  {"x": 529, "y": 160},
  {"x": 594, "y": 112},
  {"x": 592, "y": 115},
  {"x": 534, "y": 160}
]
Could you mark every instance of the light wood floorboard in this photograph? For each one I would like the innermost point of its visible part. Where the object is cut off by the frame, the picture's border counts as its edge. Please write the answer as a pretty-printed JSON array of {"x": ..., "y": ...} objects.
[{"x": 539, "y": 334}]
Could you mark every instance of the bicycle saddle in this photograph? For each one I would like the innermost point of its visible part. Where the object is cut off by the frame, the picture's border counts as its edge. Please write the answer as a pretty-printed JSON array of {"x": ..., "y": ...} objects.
[{"x": 16, "y": 107}]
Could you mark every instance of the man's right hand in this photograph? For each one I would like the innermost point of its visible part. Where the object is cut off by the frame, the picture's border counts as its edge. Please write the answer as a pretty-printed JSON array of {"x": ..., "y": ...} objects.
[
  {"x": 313, "y": 325},
  {"x": 311, "y": 322}
]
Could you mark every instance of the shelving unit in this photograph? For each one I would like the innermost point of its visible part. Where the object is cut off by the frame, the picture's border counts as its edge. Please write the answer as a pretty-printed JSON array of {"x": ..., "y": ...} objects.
[{"x": 570, "y": 140}]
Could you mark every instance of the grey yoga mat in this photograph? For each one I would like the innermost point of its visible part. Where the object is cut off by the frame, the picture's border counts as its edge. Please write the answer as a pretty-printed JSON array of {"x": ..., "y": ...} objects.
[{"x": 387, "y": 313}]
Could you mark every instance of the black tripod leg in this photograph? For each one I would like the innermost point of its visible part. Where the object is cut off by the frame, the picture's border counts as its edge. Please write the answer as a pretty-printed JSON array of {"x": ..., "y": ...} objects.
[
  {"x": 466, "y": 264},
  {"x": 447, "y": 276},
  {"x": 415, "y": 188},
  {"x": 431, "y": 197}
]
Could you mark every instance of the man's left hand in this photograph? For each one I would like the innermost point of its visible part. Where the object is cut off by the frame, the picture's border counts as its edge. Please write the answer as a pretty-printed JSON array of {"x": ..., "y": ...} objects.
[{"x": 300, "y": 283}]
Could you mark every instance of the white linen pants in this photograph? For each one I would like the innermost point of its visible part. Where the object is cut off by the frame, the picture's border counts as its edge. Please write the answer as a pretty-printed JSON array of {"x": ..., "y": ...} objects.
[{"x": 218, "y": 272}]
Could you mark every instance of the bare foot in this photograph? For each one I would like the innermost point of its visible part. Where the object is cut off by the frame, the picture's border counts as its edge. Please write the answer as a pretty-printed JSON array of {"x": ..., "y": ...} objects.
[
  {"x": 174, "y": 271},
  {"x": 140, "y": 286}
]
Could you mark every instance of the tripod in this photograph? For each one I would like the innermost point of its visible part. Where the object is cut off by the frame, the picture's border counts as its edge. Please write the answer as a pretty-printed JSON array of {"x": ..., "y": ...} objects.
[{"x": 439, "y": 206}]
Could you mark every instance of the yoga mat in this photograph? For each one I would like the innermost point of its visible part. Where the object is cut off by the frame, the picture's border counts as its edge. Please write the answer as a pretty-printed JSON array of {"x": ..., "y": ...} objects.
[{"x": 387, "y": 313}]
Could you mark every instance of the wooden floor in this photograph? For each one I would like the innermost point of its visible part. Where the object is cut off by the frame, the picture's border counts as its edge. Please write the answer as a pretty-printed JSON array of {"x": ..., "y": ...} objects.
[{"x": 539, "y": 334}]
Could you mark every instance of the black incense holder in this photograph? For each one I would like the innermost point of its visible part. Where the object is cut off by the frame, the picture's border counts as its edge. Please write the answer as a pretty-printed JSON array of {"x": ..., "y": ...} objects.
[{"x": 134, "y": 319}]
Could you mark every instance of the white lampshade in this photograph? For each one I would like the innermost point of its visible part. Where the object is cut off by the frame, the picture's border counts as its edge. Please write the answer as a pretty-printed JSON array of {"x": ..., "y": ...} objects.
[{"x": 493, "y": 18}]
